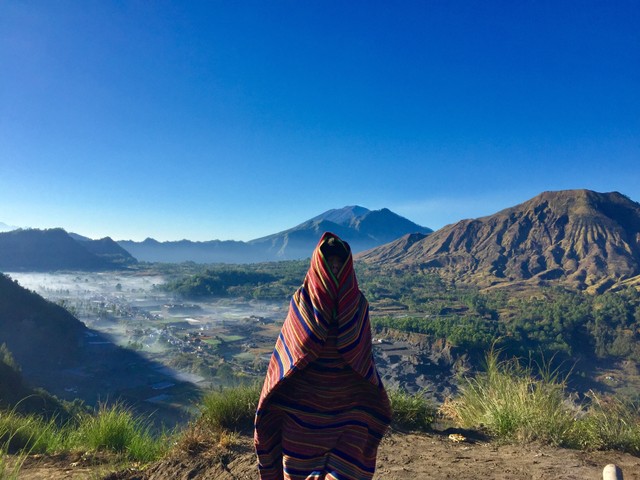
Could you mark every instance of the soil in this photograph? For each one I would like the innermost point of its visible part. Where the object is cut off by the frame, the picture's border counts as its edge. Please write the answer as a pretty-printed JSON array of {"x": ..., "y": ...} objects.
[{"x": 402, "y": 456}]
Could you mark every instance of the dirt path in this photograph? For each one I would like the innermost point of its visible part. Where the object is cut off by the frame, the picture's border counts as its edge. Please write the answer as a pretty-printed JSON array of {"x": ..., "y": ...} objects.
[
  {"x": 413, "y": 457},
  {"x": 401, "y": 457}
]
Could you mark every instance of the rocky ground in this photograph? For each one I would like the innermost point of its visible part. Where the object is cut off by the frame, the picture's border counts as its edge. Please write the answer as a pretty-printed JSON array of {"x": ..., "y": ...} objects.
[
  {"x": 402, "y": 456},
  {"x": 415, "y": 364}
]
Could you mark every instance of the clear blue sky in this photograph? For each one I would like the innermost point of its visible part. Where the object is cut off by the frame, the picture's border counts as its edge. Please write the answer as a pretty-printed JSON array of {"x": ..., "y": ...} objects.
[{"x": 237, "y": 119}]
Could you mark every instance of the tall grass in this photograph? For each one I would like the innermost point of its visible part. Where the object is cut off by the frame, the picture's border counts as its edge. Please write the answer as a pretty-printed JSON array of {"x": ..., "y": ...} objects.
[
  {"x": 115, "y": 428},
  {"x": 111, "y": 428},
  {"x": 232, "y": 408},
  {"x": 223, "y": 414},
  {"x": 512, "y": 402},
  {"x": 609, "y": 423},
  {"x": 24, "y": 435},
  {"x": 509, "y": 401},
  {"x": 411, "y": 410},
  {"x": 30, "y": 433}
]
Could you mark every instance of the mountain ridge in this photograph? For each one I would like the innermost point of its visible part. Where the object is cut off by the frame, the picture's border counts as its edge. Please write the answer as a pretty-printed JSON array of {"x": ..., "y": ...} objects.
[
  {"x": 361, "y": 227},
  {"x": 55, "y": 249},
  {"x": 586, "y": 239}
]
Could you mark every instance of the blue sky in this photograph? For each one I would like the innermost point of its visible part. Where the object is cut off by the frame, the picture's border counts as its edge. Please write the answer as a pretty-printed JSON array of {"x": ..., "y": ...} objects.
[{"x": 234, "y": 120}]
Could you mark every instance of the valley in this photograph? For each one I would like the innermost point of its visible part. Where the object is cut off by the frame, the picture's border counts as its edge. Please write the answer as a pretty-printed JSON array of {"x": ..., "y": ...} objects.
[
  {"x": 158, "y": 353},
  {"x": 148, "y": 349}
]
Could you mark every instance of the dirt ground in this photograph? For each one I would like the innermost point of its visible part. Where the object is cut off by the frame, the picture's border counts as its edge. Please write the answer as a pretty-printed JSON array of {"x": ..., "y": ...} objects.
[{"x": 402, "y": 456}]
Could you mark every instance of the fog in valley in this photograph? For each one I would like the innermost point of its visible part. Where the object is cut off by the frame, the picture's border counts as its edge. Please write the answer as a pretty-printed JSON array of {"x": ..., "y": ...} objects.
[{"x": 181, "y": 348}]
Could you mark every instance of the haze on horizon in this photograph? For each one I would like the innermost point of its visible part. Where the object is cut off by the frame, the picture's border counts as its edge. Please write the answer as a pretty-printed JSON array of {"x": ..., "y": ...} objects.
[{"x": 226, "y": 120}]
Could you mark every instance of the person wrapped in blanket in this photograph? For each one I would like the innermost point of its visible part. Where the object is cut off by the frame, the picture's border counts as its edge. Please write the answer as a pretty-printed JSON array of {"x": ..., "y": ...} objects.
[{"x": 323, "y": 409}]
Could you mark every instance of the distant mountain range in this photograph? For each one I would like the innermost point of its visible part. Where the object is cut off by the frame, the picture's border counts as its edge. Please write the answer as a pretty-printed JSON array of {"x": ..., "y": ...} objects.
[
  {"x": 361, "y": 227},
  {"x": 55, "y": 249},
  {"x": 585, "y": 239},
  {"x": 581, "y": 238}
]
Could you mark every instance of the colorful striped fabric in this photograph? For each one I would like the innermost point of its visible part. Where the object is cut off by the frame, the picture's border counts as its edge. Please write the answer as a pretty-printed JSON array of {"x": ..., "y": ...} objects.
[{"x": 323, "y": 409}]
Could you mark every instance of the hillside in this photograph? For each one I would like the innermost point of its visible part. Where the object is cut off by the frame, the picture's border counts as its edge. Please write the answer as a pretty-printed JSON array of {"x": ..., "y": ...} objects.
[
  {"x": 38, "y": 333},
  {"x": 16, "y": 394},
  {"x": 12, "y": 386},
  {"x": 361, "y": 227},
  {"x": 585, "y": 239},
  {"x": 55, "y": 249},
  {"x": 58, "y": 353}
]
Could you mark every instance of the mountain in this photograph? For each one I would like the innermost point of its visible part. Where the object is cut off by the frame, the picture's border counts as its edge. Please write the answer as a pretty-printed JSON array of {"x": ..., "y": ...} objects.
[
  {"x": 213, "y": 251},
  {"x": 55, "y": 249},
  {"x": 361, "y": 227},
  {"x": 107, "y": 249},
  {"x": 579, "y": 237}
]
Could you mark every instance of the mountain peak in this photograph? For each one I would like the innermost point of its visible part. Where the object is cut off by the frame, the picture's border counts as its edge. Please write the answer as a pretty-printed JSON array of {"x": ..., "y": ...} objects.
[
  {"x": 361, "y": 227},
  {"x": 342, "y": 216}
]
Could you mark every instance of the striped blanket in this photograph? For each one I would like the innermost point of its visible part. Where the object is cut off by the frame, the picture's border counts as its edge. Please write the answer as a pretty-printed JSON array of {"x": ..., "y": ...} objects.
[{"x": 323, "y": 409}]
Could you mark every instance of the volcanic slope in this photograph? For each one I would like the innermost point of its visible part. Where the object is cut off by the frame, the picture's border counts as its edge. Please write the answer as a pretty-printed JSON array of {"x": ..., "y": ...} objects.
[{"x": 581, "y": 238}]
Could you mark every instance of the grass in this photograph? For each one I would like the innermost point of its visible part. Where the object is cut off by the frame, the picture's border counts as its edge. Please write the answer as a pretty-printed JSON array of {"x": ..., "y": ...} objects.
[
  {"x": 513, "y": 403},
  {"x": 609, "y": 424},
  {"x": 232, "y": 408},
  {"x": 510, "y": 402},
  {"x": 200, "y": 437},
  {"x": 411, "y": 410},
  {"x": 30, "y": 433},
  {"x": 223, "y": 414},
  {"x": 24, "y": 435},
  {"x": 116, "y": 429},
  {"x": 111, "y": 428}
]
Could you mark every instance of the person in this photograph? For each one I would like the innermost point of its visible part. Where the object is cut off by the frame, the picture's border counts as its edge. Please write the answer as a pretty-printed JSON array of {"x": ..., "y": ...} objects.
[{"x": 323, "y": 409}]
